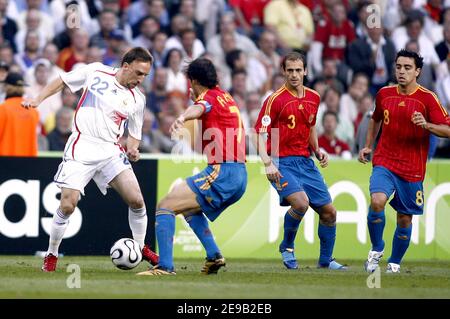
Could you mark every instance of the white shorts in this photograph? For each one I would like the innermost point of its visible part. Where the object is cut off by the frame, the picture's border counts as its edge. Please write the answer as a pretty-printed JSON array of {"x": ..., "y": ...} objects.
[{"x": 87, "y": 158}]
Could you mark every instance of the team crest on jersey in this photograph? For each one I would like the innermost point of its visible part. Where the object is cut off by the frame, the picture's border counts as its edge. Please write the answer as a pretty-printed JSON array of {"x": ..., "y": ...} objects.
[
  {"x": 265, "y": 121},
  {"x": 311, "y": 118}
]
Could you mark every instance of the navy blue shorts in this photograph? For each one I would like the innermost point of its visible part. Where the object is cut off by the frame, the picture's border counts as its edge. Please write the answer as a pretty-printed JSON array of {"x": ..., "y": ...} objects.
[
  {"x": 218, "y": 186},
  {"x": 408, "y": 198},
  {"x": 300, "y": 174}
]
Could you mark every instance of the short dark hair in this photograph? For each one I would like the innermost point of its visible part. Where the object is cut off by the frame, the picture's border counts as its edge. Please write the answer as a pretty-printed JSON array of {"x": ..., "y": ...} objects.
[
  {"x": 418, "y": 60},
  {"x": 294, "y": 56},
  {"x": 231, "y": 57},
  {"x": 203, "y": 71},
  {"x": 137, "y": 54}
]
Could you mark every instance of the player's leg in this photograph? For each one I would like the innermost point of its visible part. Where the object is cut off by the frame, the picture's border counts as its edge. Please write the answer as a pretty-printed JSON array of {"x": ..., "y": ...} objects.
[
  {"x": 60, "y": 221},
  {"x": 299, "y": 205},
  {"x": 400, "y": 242},
  {"x": 381, "y": 188},
  {"x": 126, "y": 184},
  {"x": 320, "y": 200},
  {"x": 408, "y": 201},
  {"x": 180, "y": 199}
]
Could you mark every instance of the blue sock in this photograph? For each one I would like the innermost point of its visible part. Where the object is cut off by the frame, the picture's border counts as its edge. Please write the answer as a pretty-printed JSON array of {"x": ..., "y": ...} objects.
[
  {"x": 292, "y": 220},
  {"x": 199, "y": 225},
  {"x": 165, "y": 230},
  {"x": 400, "y": 244},
  {"x": 375, "y": 224},
  {"x": 327, "y": 235}
]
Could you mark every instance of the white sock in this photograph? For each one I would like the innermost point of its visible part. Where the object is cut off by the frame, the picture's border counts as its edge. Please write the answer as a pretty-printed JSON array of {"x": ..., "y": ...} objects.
[
  {"x": 137, "y": 218},
  {"x": 59, "y": 225}
]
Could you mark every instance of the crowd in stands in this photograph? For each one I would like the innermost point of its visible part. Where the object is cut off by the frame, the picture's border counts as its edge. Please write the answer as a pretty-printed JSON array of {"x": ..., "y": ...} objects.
[{"x": 350, "y": 46}]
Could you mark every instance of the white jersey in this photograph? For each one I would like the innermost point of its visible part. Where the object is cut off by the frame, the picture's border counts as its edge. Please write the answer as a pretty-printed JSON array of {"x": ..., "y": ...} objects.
[{"x": 105, "y": 105}]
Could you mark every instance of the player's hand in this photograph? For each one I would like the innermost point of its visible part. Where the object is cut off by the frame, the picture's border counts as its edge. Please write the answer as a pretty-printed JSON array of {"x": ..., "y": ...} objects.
[
  {"x": 363, "y": 153},
  {"x": 27, "y": 103},
  {"x": 133, "y": 155},
  {"x": 272, "y": 173},
  {"x": 177, "y": 125},
  {"x": 418, "y": 119},
  {"x": 322, "y": 157}
]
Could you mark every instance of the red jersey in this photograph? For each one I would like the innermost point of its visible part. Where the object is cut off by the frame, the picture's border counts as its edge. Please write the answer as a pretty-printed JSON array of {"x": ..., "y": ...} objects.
[
  {"x": 334, "y": 38},
  {"x": 403, "y": 146},
  {"x": 333, "y": 147},
  {"x": 223, "y": 135},
  {"x": 288, "y": 119}
]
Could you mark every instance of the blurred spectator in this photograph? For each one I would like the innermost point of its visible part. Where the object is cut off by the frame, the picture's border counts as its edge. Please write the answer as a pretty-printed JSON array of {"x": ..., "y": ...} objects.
[
  {"x": 155, "y": 8},
  {"x": 191, "y": 46},
  {"x": 187, "y": 9},
  {"x": 331, "y": 38},
  {"x": 50, "y": 53},
  {"x": 31, "y": 52},
  {"x": 365, "y": 104},
  {"x": 8, "y": 26},
  {"x": 115, "y": 48},
  {"x": 374, "y": 56},
  {"x": 69, "y": 99},
  {"x": 158, "y": 48},
  {"x": 349, "y": 101},
  {"x": 108, "y": 22},
  {"x": 361, "y": 133},
  {"x": 147, "y": 144},
  {"x": 359, "y": 16},
  {"x": 94, "y": 54},
  {"x": 77, "y": 51},
  {"x": 334, "y": 74},
  {"x": 18, "y": 126},
  {"x": 58, "y": 137},
  {"x": 64, "y": 10},
  {"x": 239, "y": 87},
  {"x": 328, "y": 140},
  {"x": 176, "y": 79},
  {"x": 268, "y": 55},
  {"x": 4, "y": 68},
  {"x": 443, "y": 48},
  {"x": 256, "y": 72},
  {"x": 148, "y": 27},
  {"x": 291, "y": 21},
  {"x": 158, "y": 94},
  {"x": 331, "y": 102},
  {"x": 175, "y": 103},
  {"x": 395, "y": 16},
  {"x": 249, "y": 15},
  {"x": 36, "y": 19},
  {"x": 443, "y": 87},
  {"x": 227, "y": 25},
  {"x": 7, "y": 54},
  {"x": 207, "y": 13},
  {"x": 413, "y": 30},
  {"x": 49, "y": 106}
]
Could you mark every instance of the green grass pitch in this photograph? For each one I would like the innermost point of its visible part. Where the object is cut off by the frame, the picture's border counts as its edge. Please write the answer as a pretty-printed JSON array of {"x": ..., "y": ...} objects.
[{"x": 20, "y": 277}]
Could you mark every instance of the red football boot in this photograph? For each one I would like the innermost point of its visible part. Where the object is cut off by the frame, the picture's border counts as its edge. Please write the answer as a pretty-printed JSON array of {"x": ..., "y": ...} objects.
[
  {"x": 150, "y": 256},
  {"x": 49, "y": 263}
]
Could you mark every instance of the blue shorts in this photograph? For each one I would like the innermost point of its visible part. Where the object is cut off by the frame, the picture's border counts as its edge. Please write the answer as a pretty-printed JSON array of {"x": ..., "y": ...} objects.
[
  {"x": 300, "y": 174},
  {"x": 218, "y": 186},
  {"x": 408, "y": 198}
]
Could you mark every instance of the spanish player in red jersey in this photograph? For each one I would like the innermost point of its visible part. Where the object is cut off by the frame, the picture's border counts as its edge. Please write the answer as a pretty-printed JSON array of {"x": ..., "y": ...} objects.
[
  {"x": 407, "y": 114},
  {"x": 219, "y": 185},
  {"x": 288, "y": 119}
]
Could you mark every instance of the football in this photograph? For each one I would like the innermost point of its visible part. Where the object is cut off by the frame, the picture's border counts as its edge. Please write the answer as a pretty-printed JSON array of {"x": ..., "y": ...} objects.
[{"x": 126, "y": 253}]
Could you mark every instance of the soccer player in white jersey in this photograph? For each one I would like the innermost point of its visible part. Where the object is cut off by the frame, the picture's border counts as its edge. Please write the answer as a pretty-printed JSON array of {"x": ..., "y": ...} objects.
[{"x": 110, "y": 97}]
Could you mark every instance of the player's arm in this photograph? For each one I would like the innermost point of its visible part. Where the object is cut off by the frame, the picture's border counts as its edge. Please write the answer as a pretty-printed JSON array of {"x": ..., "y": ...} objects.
[
  {"x": 192, "y": 112},
  {"x": 52, "y": 88},
  {"x": 133, "y": 148},
  {"x": 441, "y": 130},
  {"x": 272, "y": 172},
  {"x": 314, "y": 145},
  {"x": 372, "y": 132}
]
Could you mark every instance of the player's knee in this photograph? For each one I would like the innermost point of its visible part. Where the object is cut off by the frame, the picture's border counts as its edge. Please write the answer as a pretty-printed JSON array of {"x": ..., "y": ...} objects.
[
  {"x": 328, "y": 215},
  {"x": 136, "y": 202},
  {"x": 67, "y": 207},
  {"x": 378, "y": 203}
]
